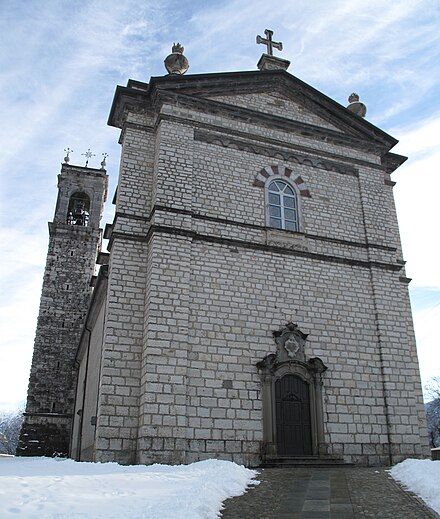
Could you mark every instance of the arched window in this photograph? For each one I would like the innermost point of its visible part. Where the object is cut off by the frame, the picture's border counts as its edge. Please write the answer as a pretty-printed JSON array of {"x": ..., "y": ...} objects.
[
  {"x": 78, "y": 212},
  {"x": 282, "y": 206}
]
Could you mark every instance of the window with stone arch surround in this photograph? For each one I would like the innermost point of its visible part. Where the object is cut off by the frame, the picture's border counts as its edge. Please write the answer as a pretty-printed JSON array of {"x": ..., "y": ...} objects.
[
  {"x": 281, "y": 181},
  {"x": 282, "y": 204}
]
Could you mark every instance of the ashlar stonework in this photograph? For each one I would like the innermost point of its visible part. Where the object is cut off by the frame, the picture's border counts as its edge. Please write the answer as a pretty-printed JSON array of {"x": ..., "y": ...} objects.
[
  {"x": 74, "y": 241},
  {"x": 254, "y": 301}
]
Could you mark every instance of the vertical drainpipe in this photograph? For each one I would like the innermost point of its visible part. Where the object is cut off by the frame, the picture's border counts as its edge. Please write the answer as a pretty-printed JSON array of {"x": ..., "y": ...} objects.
[{"x": 81, "y": 419}]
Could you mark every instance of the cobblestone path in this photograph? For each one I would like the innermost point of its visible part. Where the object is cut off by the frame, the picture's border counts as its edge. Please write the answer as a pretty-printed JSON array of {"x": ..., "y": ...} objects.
[{"x": 326, "y": 493}]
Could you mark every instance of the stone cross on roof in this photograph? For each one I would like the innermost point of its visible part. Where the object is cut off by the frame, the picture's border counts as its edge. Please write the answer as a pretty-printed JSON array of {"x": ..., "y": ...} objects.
[{"x": 269, "y": 43}]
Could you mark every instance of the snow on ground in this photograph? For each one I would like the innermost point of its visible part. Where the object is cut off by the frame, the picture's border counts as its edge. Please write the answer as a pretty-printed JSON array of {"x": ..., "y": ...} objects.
[
  {"x": 422, "y": 477},
  {"x": 36, "y": 488}
]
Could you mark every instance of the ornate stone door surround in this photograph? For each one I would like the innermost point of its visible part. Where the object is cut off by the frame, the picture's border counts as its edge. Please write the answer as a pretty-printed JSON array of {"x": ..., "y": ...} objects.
[{"x": 290, "y": 359}]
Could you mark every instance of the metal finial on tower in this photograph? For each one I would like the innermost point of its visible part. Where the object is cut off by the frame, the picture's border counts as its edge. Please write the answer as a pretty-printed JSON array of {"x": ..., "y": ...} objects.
[
  {"x": 103, "y": 163},
  {"x": 176, "y": 63},
  {"x": 88, "y": 155},
  {"x": 67, "y": 158},
  {"x": 269, "y": 43}
]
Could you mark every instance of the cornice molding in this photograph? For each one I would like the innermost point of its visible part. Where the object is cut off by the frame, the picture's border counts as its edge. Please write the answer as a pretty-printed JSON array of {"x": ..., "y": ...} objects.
[
  {"x": 268, "y": 120},
  {"x": 159, "y": 229},
  {"x": 270, "y": 151},
  {"x": 225, "y": 221}
]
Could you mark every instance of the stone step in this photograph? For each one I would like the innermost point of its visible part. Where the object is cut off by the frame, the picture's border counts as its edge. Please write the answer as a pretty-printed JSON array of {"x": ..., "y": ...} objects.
[{"x": 303, "y": 461}]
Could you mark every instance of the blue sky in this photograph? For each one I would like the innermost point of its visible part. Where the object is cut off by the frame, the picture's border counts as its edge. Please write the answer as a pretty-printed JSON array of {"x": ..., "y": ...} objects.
[{"x": 60, "y": 62}]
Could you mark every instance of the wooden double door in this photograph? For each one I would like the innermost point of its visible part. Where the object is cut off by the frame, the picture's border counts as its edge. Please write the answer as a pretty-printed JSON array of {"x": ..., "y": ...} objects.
[{"x": 292, "y": 415}]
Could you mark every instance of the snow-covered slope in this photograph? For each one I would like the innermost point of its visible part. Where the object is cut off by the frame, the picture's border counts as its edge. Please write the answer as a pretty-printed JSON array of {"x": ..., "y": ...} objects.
[
  {"x": 64, "y": 489},
  {"x": 422, "y": 477}
]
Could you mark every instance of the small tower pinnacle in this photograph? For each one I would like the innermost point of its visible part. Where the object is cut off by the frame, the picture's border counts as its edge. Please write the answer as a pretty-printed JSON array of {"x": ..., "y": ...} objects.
[
  {"x": 88, "y": 155},
  {"x": 103, "y": 163},
  {"x": 67, "y": 158}
]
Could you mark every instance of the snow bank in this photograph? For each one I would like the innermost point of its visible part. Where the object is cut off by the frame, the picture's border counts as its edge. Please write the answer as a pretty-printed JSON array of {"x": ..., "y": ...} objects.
[
  {"x": 421, "y": 477},
  {"x": 32, "y": 488}
]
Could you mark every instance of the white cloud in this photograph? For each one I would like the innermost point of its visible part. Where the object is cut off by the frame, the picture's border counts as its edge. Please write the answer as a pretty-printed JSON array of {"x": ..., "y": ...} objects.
[
  {"x": 416, "y": 194},
  {"x": 428, "y": 342},
  {"x": 62, "y": 62}
]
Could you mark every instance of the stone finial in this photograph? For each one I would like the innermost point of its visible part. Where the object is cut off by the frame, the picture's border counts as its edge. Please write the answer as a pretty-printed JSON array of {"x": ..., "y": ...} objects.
[
  {"x": 103, "y": 163},
  {"x": 176, "y": 63},
  {"x": 177, "y": 48},
  {"x": 353, "y": 97},
  {"x": 356, "y": 106},
  {"x": 67, "y": 158}
]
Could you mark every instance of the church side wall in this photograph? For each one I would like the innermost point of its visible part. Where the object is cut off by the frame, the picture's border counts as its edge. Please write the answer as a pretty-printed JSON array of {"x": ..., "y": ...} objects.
[
  {"x": 83, "y": 437},
  {"x": 412, "y": 354},
  {"x": 134, "y": 195},
  {"x": 118, "y": 404},
  {"x": 163, "y": 403},
  {"x": 117, "y": 418},
  {"x": 79, "y": 398},
  {"x": 408, "y": 436},
  {"x": 165, "y": 355}
]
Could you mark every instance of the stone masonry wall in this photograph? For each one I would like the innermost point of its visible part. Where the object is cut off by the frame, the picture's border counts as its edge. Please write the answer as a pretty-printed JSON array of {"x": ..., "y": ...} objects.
[
  {"x": 117, "y": 418},
  {"x": 198, "y": 285},
  {"x": 64, "y": 301}
]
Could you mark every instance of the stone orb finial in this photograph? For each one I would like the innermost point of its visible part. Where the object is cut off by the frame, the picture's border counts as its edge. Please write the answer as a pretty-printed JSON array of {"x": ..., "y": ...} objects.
[
  {"x": 355, "y": 106},
  {"x": 353, "y": 97},
  {"x": 177, "y": 48},
  {"x": 176, "y": 63}
]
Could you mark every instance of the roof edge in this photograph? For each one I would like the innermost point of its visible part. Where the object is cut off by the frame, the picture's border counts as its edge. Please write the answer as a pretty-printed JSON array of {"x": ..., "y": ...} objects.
[{"x": 138, "y": 92}]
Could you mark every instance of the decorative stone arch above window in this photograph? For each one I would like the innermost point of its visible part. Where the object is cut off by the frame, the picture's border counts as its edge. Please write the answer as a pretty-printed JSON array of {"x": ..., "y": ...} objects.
[{"x": 281, "y": 171}]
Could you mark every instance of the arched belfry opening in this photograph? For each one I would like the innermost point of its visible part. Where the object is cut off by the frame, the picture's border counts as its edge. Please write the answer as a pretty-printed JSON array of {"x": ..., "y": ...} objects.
[
  {"x": 292, "y": 398},
  {"x": 79, "y": 209}
]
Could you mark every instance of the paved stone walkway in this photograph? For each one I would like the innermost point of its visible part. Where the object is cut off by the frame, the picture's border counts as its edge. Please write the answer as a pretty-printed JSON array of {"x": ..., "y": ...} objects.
[{"x": 326, "y": 493}]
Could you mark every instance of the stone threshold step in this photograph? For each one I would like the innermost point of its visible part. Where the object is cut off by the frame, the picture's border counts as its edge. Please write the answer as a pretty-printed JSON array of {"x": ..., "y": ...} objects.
[{"x": 303, "y": 461}]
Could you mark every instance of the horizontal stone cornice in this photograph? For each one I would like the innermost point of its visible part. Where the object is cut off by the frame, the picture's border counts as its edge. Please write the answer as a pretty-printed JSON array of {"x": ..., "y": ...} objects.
[
  {"x": 270, "y": 151},
  {"x": 156, "y": 229},
  {"x": 269, "y": 120},
  {"x": 64, "y": 230},
  {"x": 253, "y": 138},
  {"x": 234, "y": 223},
  {"x": 145, "y": 128},
  {"x": 141, "y": 96},
  {"x": 49, "y": 415},
  {"x": 252, "y": 245}
]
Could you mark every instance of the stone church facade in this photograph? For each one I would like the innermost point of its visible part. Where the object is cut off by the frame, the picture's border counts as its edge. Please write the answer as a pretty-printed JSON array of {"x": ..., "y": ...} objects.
[{"x": 254, "y": 303}]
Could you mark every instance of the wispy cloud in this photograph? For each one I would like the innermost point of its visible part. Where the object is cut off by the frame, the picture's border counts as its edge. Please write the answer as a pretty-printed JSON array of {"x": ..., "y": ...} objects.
[
  {"x": 61, "y": 61},
  {"x": 416, "y": 195},
  {"x": 426, "y": 319}
]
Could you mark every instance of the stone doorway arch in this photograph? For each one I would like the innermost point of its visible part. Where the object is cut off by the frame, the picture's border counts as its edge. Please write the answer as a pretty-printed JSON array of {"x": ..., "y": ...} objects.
[{"x": 292, "y": 398}]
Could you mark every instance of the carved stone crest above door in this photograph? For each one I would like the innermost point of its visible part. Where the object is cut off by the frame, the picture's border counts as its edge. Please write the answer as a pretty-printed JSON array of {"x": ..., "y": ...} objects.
[{"x": 290, "y": 341}]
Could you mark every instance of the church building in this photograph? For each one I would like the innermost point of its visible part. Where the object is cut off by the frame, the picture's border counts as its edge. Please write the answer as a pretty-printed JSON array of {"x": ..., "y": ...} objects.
[{"x": 253, "y": 305}]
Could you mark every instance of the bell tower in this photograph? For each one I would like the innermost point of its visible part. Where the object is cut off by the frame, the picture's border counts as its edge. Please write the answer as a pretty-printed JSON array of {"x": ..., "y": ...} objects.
[{"x": 74, "y": 241}]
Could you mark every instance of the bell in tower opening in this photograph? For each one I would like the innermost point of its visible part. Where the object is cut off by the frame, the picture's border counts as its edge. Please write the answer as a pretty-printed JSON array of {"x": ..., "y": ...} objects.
[{"x": 78, "y": 212}]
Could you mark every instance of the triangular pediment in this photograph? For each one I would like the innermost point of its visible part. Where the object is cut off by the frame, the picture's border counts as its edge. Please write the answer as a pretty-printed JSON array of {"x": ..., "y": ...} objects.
[
  {"x": 277, "y": 104},
  {"x": 277, "y": 95}
]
